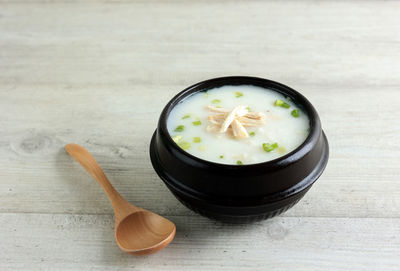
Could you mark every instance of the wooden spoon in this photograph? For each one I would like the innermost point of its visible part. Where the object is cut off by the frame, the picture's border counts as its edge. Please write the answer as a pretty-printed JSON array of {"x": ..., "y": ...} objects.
[{"x": 137, "y": 231}]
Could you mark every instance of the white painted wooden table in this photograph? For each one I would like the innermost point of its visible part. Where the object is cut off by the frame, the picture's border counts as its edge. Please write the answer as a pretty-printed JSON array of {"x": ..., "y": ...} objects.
[{"x": 99, "y": 74}]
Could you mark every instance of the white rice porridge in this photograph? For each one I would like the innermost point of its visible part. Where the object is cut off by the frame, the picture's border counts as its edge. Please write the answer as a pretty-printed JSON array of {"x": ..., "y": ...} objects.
[{"x": 238, "y": 125}]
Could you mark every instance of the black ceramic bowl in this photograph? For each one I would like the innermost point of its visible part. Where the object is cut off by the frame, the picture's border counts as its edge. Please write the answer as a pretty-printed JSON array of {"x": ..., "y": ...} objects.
[{"x": 239, "y": 193}]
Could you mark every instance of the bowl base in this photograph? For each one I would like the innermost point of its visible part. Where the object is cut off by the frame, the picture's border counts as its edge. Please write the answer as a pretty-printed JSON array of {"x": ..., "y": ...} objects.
[{"x": 263, "y": 212}]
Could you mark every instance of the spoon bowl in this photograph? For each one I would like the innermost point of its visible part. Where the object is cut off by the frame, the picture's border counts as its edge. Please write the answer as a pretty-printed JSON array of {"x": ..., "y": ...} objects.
[
  {"x": 144, "y": 232},
  {"x": 137, "y": 231}
]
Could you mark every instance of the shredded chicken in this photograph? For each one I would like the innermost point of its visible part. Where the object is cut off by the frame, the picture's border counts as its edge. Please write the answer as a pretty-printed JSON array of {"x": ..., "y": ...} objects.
[
  {"x": 234, "y": 120},
  {"x": 238, "y": 111},
  {"x": 238, "y": 130},
  {"x": 218, "y": 119},
  {"x": 251, "y": 115}
]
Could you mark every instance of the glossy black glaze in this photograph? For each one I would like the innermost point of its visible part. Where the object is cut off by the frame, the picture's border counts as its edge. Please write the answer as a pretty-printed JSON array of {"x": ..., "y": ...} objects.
[{"x": 239, "y": 193}]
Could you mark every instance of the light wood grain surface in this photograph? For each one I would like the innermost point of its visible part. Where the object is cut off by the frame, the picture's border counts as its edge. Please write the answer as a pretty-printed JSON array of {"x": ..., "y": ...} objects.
[{"x": 99, "y": 74}]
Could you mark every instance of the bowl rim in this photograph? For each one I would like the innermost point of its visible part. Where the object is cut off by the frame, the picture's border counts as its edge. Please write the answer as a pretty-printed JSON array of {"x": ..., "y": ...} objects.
[{"x": 290, "y": 157}]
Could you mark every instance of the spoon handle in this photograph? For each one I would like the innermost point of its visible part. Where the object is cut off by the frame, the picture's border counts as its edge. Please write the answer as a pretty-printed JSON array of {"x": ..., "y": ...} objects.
[{"x": 84, "y": 158}]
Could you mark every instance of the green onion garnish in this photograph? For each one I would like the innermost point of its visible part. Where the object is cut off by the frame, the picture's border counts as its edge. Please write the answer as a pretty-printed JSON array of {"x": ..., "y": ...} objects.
[
  {"x": 176, "y": 138},
  {"x": 248, "y": 109},
  {"x": 295, "y": 113},
  {"x": 281, "y": 104},
  {"x": 238, "y": 162},
  {"x": 221, "y": 156},
  {"x": 196, "y": 123},
  {"x": 180, "y": 128},
  {"x": 186, "y": 116},
  {"x": 184, "y": 145},
  {"x": 269, "y": 147},
  {"x": 252, "y": 133},
  {"x": 238, "y": 94},
  {"x": 216, "y": 101},
  {"x": 196, "y": 139}
]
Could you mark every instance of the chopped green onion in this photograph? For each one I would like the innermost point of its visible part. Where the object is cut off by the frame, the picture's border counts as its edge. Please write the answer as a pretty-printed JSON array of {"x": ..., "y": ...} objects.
[
  {"x": 176, "y": 138},
  {"x": 295, "y": 113},
  {"x": 186, "y": 116},
  {"x": 252, "y": 133},
  {"x": 196, "y": 123},
  {"x": 216, "y": 101},
  {"x": 180, "y": 128},
  {"x": 196, "y": 139},
  {"x": 281, "y": 104},
  {"x": 238, "y": 94},
  {"x": 248, "y": 109},
  {"x": 238, "y": 162},
  {"x": 221, "y": 156},
  {"x": 184, "y": 145},
  {"x": 269, "y": 147}
]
